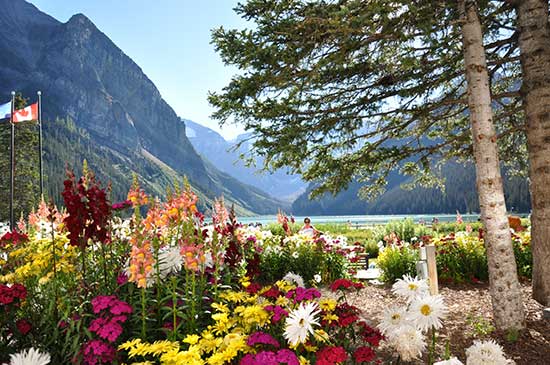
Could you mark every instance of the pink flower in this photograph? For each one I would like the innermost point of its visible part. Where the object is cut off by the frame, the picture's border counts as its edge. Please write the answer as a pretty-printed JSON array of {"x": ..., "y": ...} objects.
[
  {"x": 286, "y": 356},
  {"x": 121, "y": 279},
  {"x": 112, "y": 303},
  {"x": 96, "y": 352},
  {"x": 266, "y": 358},
  {"x": 278, "y": 312},
  {"x": 301, "y": 294},
  {"x": 261, "y": 338},
  {"x": 107, "y": 329}
]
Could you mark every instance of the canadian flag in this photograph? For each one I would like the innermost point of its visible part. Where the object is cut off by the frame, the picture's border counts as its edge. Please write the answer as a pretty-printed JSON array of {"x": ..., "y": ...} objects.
[{"x": 28, "y": 113}]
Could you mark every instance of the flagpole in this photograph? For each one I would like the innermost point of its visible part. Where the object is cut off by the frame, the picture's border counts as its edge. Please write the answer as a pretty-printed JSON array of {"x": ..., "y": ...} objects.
[
  {"x": 12, "y": 173},
  {"x": 40, "y": 143}
]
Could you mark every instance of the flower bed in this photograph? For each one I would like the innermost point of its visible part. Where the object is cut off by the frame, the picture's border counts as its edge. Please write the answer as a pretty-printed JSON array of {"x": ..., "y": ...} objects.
[
  {"x": 84, "y": 287},
  {"x": 461, "y": 256}
]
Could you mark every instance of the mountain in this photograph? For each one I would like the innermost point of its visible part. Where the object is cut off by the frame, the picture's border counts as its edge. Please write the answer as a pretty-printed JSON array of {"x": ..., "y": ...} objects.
[
  {"x": 213, "y": 147},
  {"x": 460, "y": 194},
  {"x": 100, "y": 106}
]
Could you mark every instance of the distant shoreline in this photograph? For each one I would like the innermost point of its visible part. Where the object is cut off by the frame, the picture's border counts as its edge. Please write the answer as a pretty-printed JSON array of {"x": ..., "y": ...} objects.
[{"x": 370, "y": 219}]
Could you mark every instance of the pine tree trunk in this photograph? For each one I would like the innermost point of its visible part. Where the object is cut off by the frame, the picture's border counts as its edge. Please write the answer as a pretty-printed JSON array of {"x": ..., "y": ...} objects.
[
  {"x": 503, "y": 279},
  {"x": 534, "y": 42}
]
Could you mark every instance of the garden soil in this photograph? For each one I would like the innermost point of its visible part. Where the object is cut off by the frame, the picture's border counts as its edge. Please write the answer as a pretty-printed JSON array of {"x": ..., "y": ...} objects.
[{"x": 469, "y": 318}]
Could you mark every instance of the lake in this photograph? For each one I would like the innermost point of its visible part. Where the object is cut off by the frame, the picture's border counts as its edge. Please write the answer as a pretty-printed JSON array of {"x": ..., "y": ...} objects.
[{"x": 363, "y": 219}]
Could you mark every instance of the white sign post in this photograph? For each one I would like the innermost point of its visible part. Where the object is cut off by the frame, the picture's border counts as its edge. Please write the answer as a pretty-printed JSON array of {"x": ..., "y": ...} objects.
[{"x": 426, "y": 268}]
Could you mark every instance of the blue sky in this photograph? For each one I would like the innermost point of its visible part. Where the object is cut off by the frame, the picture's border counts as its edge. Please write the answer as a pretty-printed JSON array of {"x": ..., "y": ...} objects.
[{"x": 170, "y": 41}]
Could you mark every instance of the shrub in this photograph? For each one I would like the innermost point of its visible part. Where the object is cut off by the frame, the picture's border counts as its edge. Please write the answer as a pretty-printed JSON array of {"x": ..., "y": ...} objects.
[
  {"x": 277, "y": 230},
  {"x": 461, "y": 258},
  {"x": 395, "y": 262},
  {"x": 451, "y": 227},
  {"x": 405, "y": 230},
  {"x": 304, "y": 259},
  {"x": 523, "y": 253}
]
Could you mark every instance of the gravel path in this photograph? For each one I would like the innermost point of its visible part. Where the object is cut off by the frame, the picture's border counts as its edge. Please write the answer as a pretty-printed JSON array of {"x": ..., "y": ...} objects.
[{"x": 470, "y": 308}]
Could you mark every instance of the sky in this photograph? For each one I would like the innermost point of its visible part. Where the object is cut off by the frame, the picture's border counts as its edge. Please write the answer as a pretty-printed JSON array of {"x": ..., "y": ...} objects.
[{"x": 170, "y": 41}]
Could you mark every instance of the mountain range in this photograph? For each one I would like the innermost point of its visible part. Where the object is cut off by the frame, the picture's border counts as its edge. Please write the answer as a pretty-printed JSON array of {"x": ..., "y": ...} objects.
[
  {"x": 99, "y": 105},
  {"x": 226, "y": 157},
  {"x": 459, "y": 192}
]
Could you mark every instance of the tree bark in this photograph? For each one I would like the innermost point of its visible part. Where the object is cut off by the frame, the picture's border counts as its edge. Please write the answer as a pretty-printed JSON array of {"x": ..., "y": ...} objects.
[
  {"x": 534, "y": 43},
  {"x": 505, "y": 291}
]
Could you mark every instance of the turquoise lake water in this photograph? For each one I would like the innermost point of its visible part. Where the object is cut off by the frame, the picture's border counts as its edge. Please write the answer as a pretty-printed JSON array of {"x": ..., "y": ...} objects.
[{"x": 364, "y": 219}]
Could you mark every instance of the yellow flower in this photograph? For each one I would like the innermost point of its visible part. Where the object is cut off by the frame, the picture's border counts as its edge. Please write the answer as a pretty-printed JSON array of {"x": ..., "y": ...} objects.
[
  {"x": 155, "y": 348},
  {"x": 181, "y": 357},
  {"x": 220, "y": 307},
  {"x": 235, "y": 297},
  {"x": 320, "y": 335},
  {"x": 191, "y": 339},
  {"x": 310, "y": 348},
  {"x": 285, "y": 285},
  {"x": 245, "y": 281},
  {"x": 327, "y": 304},
  {"x": 252, "y": 315},
  {"x": 330, "y": 318},
  {"x": 282, "y": 301},
  {"x": 303, "y": 360},
  {"x": 130, "y": 344},
  {"x": 209, "y": 343},
  {"x": 222, "y": 357}
]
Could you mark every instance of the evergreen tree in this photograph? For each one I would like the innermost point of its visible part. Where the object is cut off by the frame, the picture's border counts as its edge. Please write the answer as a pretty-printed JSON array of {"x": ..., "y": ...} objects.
[
  {"x": 347, "y": 90},
  {"x": 27, "y": 174}
]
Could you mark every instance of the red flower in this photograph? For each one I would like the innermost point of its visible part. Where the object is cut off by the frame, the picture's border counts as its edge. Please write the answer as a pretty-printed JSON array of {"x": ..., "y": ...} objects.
[
  {"x": 253, "y": 288},
  {"x": 9, "y": 293},
  {"x": 370, "y": 335},
  {"x": 331, "y": 355},
  {"x": 23, "y": 326},
  {"x": 364, "y": 354},
  {"x": 347, "y": 314},
  {"x": 18, "y": 291},
  {"x": 273, "y": 292},
  {"x": 342, "y": 284},
  {"x": 88, "y": 210},
  {"x": 13, "y": 237}
]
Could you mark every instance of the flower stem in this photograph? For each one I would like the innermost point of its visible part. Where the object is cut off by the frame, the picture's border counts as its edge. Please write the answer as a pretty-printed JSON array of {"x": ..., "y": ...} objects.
[
  {"x": 431, "y": 354},
  {"x": 174, "y": 308},
  {"x": 143, "y": 316}
]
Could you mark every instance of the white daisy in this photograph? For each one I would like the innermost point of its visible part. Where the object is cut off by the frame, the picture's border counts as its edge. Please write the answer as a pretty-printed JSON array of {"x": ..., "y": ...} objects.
[
  {"x": 299, "y": 323},
  {"x": 293, "y": 278},
  {"x": 451, "y": 361},
  {"x": 408, "y": 342},
  {"x": 317, "y": 278},
  {"x": 426, "y": 312},
  {"x": 30, "y": 356},
  {"x": 410, "y": 287},
  {"x": 485, "y": 353},
  {"x": 392, "y": 318},
  {"x": 170, "y": 260}
]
